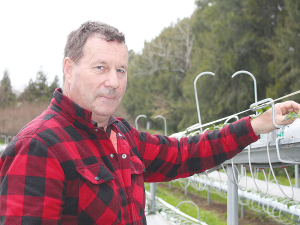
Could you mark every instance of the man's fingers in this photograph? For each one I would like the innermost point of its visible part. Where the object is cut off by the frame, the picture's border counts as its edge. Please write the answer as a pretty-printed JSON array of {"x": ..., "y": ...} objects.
[{"x": 289, "y": 106}]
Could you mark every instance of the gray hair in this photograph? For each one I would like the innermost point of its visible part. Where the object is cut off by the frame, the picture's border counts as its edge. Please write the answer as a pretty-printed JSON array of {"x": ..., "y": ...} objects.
[{"x": 77, "y": 38}]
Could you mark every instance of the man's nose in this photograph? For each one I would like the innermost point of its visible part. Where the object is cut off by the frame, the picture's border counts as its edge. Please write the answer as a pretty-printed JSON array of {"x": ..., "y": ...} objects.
[{"x": 112, "y": 79}]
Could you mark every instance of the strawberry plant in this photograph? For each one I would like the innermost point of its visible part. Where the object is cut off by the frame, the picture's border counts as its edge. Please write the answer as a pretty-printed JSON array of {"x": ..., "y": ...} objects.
[
  {"x": 291, "y": 115},
  {"x": 260, "y": 111}
]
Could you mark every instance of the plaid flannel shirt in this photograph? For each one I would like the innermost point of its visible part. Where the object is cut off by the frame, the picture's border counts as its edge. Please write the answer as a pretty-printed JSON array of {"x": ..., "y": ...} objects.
[{"x": 60, "y": 169}]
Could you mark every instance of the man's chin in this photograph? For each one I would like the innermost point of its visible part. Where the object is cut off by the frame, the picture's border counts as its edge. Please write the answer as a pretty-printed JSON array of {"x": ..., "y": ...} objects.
[{"x": 102, "y": 114}]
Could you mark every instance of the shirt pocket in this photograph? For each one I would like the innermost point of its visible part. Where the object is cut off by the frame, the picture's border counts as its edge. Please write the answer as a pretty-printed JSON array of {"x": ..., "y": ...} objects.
[
  {"x": 137, "y": 185},
  {"x": 137, "y": 166},
  {"x": 99, "y": 200}
]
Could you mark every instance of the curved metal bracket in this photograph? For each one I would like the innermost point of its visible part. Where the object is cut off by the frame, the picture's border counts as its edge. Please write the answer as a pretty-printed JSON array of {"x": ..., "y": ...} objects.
[
  {"x": 191, "y": 203},
  {"x": 263, "y": 103},
  {"x": 254, "y": 80},
  {"x": 278, "y": 153},
  {"x": 5, "y": 139},
  {"x": 196, "y": 95},
  {"x": 136, "y": 119},
  {"x": 165, "y": 122}
]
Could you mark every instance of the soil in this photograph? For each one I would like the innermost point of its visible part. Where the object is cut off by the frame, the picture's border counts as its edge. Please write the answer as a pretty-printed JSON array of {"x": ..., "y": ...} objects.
[{"x": 250, "y": 217}]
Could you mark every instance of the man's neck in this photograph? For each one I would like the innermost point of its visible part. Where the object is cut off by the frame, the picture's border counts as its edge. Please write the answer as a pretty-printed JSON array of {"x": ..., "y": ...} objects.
[{"x": 100, "y": 120}]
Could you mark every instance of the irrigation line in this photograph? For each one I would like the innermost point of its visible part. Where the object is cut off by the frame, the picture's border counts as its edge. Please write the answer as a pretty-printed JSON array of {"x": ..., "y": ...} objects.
[
  {"x": 271, "y": 168},
  {"x": 271, "y": 205},
  {"x": 211, "y": 184},
  {"x": 198, "y": 185}
]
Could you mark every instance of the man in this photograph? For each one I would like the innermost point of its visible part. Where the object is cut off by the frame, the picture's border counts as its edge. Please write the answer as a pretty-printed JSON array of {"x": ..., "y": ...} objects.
[{"x": 77, "y": 164}]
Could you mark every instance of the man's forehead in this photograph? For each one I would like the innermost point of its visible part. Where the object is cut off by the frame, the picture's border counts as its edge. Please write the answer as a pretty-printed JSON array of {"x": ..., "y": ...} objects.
[
  {"x": 98, "y": 41},
  {"x": 96, "y": 44}
]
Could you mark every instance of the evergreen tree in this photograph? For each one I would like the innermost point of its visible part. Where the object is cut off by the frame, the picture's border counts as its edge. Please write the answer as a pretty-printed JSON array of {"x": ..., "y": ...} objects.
[
  {"x": 39, "y": 90},
  {"x": 285, "y": 49},
  {"x": 231, "y": 35},
  {"x": 223, "y": 37},
  {"x": 53, "y": 86},
  {"x": 7, "y": 97}
]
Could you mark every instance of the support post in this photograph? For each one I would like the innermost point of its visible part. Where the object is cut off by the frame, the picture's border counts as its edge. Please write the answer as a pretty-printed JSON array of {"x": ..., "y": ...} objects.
[
  {"x": 208, "y": 195},
  {"x": 242, "y": 208},
  {"x": 297, "y": 175},
  {"x": 152, "y": 192},
  {"x": 232, "y": 198}
]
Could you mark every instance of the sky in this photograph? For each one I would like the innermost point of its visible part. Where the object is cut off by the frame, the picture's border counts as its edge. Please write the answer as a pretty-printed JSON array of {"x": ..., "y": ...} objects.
[{"x": 34, "y": 32}]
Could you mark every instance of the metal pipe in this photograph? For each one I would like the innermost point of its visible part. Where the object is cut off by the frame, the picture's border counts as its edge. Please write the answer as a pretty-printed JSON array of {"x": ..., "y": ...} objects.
[
  {"x": 196, "y": 95},
  {"x": 198, "y": 218},
  {"x": 232, "y": 198},
  {"x": 153, "y": 193},
  {"x": 5, "y": 139},
  {"x": 136, "y": 119},
  {"x": 165, "y": 123},
  {"x": 254, "y": 80},
  {"x": 297, "y": 175}
]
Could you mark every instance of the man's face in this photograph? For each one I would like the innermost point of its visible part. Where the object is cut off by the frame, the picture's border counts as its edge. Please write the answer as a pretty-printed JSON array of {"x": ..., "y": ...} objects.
[{"x": 98, "y": 80}]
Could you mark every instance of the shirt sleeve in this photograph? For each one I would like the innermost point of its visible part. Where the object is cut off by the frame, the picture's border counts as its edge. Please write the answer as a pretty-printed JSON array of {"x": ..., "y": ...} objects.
[
  {"x": 32, "y": 184},
  {"x": 167, "y": 158}
]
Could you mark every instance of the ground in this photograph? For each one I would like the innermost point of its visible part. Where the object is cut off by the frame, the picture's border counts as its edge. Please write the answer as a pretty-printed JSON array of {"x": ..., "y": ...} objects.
[{"x": 251, "y": 218}]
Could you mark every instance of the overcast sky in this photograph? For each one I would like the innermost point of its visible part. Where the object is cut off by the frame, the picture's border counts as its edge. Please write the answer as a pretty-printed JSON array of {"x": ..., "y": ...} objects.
[{"x": 33, "y": 33}]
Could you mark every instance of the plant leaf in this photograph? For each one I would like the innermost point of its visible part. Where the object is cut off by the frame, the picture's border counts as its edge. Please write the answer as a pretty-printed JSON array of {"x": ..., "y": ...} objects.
[{"x": 291, "y": 115}]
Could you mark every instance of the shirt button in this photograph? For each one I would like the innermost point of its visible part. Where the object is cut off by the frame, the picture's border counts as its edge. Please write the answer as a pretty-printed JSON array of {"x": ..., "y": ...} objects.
[
  {"x": 111, "y": 155},
  {"x": 97, "y": 178},
  {"x": 96, "y": 129},
  {"x": 124, "y": 156}
]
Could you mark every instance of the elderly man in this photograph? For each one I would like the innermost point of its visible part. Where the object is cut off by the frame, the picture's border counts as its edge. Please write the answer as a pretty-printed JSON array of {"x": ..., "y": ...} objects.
[{"x": 77, "y": 164}]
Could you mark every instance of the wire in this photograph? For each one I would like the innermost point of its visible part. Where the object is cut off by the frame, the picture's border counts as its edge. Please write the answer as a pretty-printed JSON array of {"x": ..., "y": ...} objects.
[
  {"x": 271, "y": 168},
  {"x": 197, "y": 126},
  {"x": 250, "y": 167}
]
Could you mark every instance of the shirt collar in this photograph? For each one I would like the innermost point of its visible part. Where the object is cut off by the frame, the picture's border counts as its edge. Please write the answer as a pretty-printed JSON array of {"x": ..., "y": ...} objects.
[{"x": 63, "y": 103}]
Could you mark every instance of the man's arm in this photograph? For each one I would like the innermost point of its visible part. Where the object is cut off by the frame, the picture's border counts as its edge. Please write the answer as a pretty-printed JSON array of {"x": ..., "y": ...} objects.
[
  {"x": 32, "y": 183},
  {"x": 168, "y": 158},
  {"x": 263, "y": 124}
]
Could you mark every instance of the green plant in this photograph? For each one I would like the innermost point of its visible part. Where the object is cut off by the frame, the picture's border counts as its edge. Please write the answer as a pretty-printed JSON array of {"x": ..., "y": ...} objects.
[
  {"x": 260, "y": 111},
  {"x": 291, "y": 115},
  {"x": 175, "y": 198}
]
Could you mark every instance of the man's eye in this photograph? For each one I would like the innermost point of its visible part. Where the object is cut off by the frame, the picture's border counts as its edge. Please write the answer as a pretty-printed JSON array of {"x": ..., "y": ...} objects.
[
  {"x": 99, "y": 67},
  {"x": 120, "y": 71}
]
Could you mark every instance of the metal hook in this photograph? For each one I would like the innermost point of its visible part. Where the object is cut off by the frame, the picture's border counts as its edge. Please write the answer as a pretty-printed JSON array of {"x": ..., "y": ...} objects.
[
  {"x": 196, "y": 95},
  {"x": 254, "y": 80},
  {"x": 136, "y": 119},
  {"x": 192, "y": 204},
  {"x": 165, "y": 123}
]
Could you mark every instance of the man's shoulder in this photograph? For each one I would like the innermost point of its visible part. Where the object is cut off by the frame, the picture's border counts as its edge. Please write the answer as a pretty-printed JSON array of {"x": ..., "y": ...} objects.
[
  {"x": 48, "y": 121},
  {"x": 123, "y": 125}
]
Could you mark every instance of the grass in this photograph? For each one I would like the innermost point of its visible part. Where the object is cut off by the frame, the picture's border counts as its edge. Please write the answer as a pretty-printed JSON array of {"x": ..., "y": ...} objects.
[
  {"x": 189, "y": 209},
  {"x": 174, "y": 197}
]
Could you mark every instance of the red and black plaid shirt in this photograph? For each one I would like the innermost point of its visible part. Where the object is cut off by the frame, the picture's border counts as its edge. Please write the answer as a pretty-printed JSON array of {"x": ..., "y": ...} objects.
[{"x": 60, "y": 169}]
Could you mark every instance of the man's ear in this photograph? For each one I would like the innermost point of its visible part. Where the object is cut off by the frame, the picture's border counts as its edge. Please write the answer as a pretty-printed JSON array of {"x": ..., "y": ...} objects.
[{"x": 68, "y": 69}]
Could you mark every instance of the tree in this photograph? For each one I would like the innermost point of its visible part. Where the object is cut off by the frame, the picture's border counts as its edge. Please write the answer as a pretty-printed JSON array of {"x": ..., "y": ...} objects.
[
  {"x": 231, "y": 35},
  {"x": 7, "y": 97},
  {"x": 155, "y": 76},
  {"x": 39, "y": 90},
  {"x": 53, "y": 86},
  {"x": 285, "y": 49},
  {"x": 223, "y": 37}
]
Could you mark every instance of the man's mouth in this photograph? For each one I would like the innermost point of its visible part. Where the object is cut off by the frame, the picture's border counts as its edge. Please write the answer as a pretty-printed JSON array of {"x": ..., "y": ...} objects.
[{"x": 108, "y": 97}]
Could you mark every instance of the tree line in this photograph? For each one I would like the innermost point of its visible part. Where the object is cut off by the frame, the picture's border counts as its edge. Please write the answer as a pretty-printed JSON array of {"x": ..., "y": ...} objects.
[
  {"x": 37, "y": 90},
  {"x": 223, "y": 37}
]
